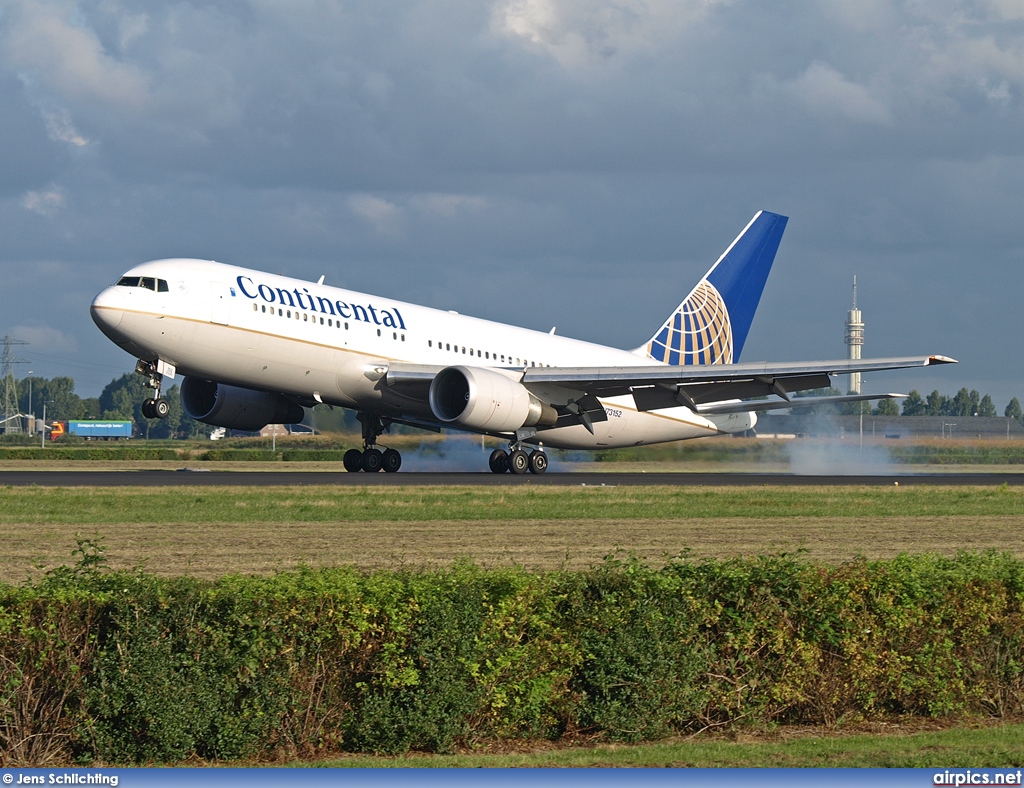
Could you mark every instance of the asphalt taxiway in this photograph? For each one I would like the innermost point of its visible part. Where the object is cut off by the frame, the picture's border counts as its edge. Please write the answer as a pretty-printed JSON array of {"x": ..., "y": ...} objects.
[{"x": 190, "y": 477}]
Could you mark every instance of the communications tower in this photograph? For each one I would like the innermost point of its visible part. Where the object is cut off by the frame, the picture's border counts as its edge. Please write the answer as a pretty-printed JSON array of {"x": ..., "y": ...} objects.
[{"x": 854, "y": 339}]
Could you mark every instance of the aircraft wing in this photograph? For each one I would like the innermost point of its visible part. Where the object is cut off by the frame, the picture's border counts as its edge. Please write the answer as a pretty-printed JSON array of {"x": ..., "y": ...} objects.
[
  {"x": 709, "y": 389},
  {"x": 662, "y": 386}
]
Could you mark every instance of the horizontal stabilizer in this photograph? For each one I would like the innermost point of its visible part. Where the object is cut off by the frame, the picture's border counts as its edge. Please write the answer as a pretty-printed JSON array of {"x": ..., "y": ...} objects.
[{"x": 797, "y": 402}]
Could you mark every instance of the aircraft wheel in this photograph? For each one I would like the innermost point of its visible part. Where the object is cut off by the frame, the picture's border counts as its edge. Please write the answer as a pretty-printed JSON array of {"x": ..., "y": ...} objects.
[
  {"x": 147, "y": 408},
  {"x": 161, "y": 408},
  {"x": 392, "y": 461},
  {"x": 498, "y": 461},
  {"x": 538, "y": 461},
  {"x": 373, "y": 460},
  {"x": 519, "y": 462},
  {"x": 353, "y": 460}
]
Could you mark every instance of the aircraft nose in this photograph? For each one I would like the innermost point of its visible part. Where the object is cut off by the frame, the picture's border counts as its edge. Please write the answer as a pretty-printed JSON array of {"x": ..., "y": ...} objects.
[{"x": 108, "y": 309}]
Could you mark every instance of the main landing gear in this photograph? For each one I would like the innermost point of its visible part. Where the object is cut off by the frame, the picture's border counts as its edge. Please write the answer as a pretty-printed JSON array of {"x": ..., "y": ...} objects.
[
  {"x": 153, "y": 407},
  {"x": 518, "y": 461},
  {"x": 371, "y": 459}
]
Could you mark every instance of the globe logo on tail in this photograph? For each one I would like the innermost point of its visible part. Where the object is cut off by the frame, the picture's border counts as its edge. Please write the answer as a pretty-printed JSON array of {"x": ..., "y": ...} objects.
[{"x": 699, "y": 332}]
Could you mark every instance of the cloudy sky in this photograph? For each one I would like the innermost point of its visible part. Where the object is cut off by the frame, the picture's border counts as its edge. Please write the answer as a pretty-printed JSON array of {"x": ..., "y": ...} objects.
[{"x": 577, "y": 163}]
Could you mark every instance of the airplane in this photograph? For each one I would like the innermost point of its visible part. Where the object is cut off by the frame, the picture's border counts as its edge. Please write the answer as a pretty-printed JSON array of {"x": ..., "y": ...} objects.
[{"x": 256, "y": 348}]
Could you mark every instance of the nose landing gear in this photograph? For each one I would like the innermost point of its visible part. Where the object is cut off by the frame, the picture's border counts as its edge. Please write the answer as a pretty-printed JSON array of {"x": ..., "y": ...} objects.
[
  {"x": 371, "y": 459},
  {"x": 155, "y": 407}
]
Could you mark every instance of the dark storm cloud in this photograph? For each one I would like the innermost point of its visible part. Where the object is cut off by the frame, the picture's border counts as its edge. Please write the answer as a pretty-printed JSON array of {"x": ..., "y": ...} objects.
[{"x": 537, "y": 161}]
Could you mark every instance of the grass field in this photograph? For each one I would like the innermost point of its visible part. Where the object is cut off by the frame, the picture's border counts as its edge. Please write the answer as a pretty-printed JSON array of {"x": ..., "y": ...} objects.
[
  {"x": 880, "y": 745},
  {"x": 216, "y": 531},
  {"x": 221, "y": 530}
]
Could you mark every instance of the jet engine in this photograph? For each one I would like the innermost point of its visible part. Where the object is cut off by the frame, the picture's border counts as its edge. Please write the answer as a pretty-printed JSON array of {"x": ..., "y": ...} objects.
[
  {"x": 235, "y": 407},
  {"x": 485, "y": 400}
]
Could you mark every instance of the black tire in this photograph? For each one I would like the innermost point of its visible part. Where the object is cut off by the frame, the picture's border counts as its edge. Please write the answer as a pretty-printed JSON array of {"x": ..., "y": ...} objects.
[
  {"x": 147, "y": 408},
  {"x": 353, "y": 461},
  {"x": 538, "y": 462},
  {"x": 392, "y": 461},
  {"x": 161, "y": 408},
  {"x": 498, "y": 461},
  {"x": 519, "y": 462},
  {"x": 373, "y": 460}
]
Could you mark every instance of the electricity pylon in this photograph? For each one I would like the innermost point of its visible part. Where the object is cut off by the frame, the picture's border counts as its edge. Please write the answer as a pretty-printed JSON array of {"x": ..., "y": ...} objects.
[{"x": 12, "y": 413}]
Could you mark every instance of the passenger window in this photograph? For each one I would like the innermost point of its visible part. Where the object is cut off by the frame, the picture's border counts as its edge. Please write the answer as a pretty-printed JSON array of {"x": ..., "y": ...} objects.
[
  {"x": 255, "y": 307},
  {"x": 403, "y": 337},
  {"x": 378, "y": 330},
  {"x": 305, "y": 317},
  {"x": 330, "y": 322},
  {"x": 394, "y": 335},
  {"x": 346, "y": 325},
  {"x": 448, "y": 347},
  {"x": 128, "y": 281}
]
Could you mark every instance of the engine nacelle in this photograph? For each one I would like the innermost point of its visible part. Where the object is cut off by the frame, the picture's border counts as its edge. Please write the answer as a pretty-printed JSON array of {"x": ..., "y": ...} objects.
[
  {"x": 235, "y": 407},
  {"x": 482, "y": 399}
]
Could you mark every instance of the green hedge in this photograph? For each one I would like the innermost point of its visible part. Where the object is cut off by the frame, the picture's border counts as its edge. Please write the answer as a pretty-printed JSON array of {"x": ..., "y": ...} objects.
[
  {"x": 239, "y": 455},
  {"x": 97, "y": 453},
  {"x": 993, "y": 453},
  {"x": 125, "y": 667}
]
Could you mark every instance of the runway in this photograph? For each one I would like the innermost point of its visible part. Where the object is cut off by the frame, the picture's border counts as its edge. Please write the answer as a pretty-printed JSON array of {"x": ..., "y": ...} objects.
[{"x": 201, "y": 478}]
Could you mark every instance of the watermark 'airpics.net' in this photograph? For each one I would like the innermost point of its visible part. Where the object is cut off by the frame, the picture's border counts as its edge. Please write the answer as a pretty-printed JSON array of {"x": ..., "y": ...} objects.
[{"x": 974, "y": 777}]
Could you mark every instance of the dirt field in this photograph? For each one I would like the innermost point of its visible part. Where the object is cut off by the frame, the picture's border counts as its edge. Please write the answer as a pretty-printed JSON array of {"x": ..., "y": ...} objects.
[{"x": 213, "y": 549}]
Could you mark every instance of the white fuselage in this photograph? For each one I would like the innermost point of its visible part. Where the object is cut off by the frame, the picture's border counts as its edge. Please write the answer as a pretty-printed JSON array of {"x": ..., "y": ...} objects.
[{"x": 262, "y": 331}]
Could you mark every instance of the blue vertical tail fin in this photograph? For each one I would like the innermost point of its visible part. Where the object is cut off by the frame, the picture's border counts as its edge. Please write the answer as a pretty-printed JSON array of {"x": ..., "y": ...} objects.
[{"x": 711, "y": 325}]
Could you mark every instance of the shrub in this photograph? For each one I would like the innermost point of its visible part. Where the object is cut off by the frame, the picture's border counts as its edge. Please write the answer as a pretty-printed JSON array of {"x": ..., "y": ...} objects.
[{"x": 124, "y": 667}]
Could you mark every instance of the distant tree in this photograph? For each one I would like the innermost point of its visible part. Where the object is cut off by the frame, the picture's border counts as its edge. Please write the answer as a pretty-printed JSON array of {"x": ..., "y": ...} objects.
[
  {"x": 57, "y": 393},
  {"x": 170, "y": 426},
  {"x": 90, "y": 408},
  {"x": 936, "y": 404},
  {"x": 962, "y": 404},
  {"x": 913, "y": 405},
  {"x": 986, "y": 407},
  {"x": 887, "y": 407},
  {"x": 122, "y": 398},
  {"x": 1013, "y": 411},
  {"x": 855, "y": 408},
  {"x": 828, "y": 409}
]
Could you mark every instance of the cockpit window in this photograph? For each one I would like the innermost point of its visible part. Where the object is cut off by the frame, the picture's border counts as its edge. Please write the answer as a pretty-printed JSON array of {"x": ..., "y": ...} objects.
[{"x": 148, "y": 282}]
